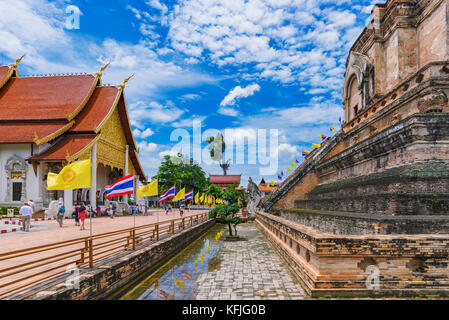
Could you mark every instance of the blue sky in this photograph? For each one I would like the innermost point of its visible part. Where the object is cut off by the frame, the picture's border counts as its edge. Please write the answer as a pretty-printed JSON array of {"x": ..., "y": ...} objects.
[{"x": 234, "y": 64}]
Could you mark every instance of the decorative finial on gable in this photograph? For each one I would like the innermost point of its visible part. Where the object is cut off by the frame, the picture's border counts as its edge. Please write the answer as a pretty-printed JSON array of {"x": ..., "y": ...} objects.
[
  {"x": 36, "y": 137},
  {"x": 17, "y": 61},
  {"x": 103, "y": 68},
  {"x": 67, "y": 155},
  {"x": 126, "y": 80}
]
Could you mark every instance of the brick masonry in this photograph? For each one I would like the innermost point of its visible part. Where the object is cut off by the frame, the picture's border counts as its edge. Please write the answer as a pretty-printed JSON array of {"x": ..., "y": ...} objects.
[
  {"x": 377, "y": 192},
  {"x": 333, "y": 265}
]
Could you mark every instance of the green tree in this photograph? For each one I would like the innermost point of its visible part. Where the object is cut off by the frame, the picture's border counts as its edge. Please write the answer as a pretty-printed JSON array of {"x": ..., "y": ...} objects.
[
  {"x": 226, "y": 213},
  {"x": 214, "y": 191},
  {"x": 182, "y": 172},
  {"x": 231, "y": 194}
]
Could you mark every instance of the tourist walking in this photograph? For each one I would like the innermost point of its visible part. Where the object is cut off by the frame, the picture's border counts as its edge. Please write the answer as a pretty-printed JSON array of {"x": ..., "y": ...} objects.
[
  {"x": 98, "y": 211},
  {"x": 60, "y": 214},
  {"x": 26, "y": 211},
  {"x": 181, "y": 209},
  {"x": 166, "y": 209},
  {"x": 82, "y": 214},
  {"x": 76, "y": 216},
  {"x": 112, "y": 209}
]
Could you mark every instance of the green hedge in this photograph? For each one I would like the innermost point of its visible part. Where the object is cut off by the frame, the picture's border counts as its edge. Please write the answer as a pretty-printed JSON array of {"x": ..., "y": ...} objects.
[{"x": 4, "y": 210}]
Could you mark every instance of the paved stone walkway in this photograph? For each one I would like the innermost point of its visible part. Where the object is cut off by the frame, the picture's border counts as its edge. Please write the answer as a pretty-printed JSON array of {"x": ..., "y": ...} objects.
[{"x": 249, "y": 270}]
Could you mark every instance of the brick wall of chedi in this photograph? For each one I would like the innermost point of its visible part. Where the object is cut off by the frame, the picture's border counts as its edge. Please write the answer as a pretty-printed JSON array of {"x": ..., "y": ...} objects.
[
  {"x": 376, "y": 194},
  {"x": 332, "y": 265}
]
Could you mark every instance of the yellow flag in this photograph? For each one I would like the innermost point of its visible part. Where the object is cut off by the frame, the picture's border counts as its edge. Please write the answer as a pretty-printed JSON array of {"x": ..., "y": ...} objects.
[
  {"x": 293, "y": 164},
  {"x": 73, "y": 176},
  {"x": 149, "y": 190},
  {"x": 181, "y": 195},
  {"x": 205, "y": 253},
  {"x": 333, "y": 129},
  {"x": 197, "y": 198},
  {"x": 202, "y": 198},
  {"x": 196, "y": 264},
  {"x": 180, "y": 283},
  {"x": 273, "y": 183},
  {"x": 201, "y": 259},
  {"x": 288, "y": 169},
  {"x": 316, "y": 146}
]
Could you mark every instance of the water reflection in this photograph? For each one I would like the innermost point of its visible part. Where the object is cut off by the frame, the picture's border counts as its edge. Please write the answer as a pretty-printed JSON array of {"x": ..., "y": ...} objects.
[{"x": 176, "y": 280}]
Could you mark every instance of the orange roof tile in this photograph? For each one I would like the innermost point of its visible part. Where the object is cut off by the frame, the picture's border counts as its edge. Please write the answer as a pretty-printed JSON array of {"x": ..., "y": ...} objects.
[
  {"x": 43, "y": 98},
  {"x": 266, "y": 188},
  {"x": 71, "y": 144},
  {"x": 25, "y": 132},
  {"x": 221, "y": 179},
  {"x": 100, "y": 104}
]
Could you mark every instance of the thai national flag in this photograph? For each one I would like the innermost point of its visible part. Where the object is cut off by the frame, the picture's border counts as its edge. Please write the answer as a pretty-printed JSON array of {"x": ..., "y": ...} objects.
[
  {"x": 169, "y": 194},
  {"x": 188, "y": 196},
  {"x": 121, "y": 187}
]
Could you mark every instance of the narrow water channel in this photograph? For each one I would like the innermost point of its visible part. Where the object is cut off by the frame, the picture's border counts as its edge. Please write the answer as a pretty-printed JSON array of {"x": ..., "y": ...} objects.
[{"x": 176, "y": 279}]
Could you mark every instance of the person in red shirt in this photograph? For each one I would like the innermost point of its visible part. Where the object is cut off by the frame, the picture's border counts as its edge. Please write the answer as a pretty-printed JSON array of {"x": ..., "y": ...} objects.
[{"x": 82, "y": 214}]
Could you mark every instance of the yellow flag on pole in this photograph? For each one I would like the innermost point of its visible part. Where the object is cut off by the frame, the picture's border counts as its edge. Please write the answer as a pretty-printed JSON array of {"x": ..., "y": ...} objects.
[
  {"x": 73, "y": 176},
  {"x": 288, "y": 169},
  {"x": 149, "y": 190},
  {"x": 197, "y": 198},
  {"x": 316, "y": 146},
  {"x": 293, "y": 164},
  {"x": 202, "y": 198},
  {"x": 196, "y": 264},
  {"x": 201, "y": 258},
  {"x": 180, "y": 195}
]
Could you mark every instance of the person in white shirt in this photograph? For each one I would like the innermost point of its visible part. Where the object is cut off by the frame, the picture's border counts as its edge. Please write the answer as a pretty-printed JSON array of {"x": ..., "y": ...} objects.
[{"x": 26, "y": 212}]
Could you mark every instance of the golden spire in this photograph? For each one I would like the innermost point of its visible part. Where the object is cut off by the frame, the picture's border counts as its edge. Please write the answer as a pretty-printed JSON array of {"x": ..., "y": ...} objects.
[
  {"x": 126, "y": 80},
  {"x": 67, "y": 155},
  {"x": 17, "y": 61},
  {"x": 103, "y": 68}
]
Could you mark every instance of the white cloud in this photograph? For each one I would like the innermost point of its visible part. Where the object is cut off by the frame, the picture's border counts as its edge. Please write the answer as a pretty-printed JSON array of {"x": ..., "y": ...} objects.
[
  {"x": 154, "y": 112},
  {"x": 143, "y": 134},
  {"x": 282, "y": 37},
  {"x": 239, "y": 92},
  {"x": 231, "y": 112},
  {"x": 147, "y": 147}
]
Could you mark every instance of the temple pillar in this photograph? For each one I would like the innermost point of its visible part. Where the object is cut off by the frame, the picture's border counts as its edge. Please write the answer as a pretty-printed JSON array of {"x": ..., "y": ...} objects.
[
  {"x": 40, "y": 185},
  {"x": 136, "y": 179},
  {"x": 68, "y": 202},
  {"x": 125, "y": 197},
  {"x": 93, "y": 188}
]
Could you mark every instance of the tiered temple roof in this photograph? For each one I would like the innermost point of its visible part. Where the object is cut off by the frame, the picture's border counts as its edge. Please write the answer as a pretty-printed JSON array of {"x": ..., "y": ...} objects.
[{"x": 65, "y": 111}]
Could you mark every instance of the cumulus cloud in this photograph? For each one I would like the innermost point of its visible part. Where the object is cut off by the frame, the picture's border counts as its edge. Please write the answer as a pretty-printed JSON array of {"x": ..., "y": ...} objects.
[
  {"x": 282, "y": 38},
  {"x": 239, "y": 92},
  {"x": 143, "y": 134}
]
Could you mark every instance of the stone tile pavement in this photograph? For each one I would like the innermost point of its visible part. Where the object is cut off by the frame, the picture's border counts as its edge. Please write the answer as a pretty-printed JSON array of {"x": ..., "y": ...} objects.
[{"x": 249, "y": 270}]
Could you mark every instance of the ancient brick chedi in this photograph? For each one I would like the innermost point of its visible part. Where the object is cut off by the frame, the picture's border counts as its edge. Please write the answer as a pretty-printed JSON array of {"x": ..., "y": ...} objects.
[{"x": 376, "y": 195}]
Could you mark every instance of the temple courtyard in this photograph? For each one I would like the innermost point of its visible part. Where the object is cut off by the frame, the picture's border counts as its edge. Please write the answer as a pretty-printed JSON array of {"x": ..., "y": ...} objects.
[{"x": 46, "y": 232}]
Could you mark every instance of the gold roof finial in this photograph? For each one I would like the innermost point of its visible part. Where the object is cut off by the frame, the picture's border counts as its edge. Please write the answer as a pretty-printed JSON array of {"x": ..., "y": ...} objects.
[
  {"x": 17, "y": 61},
  {"x": 67, "y": 155},
  {"x": 126, "y": 80},
  {"x": 36, "y": 137},
  {"x": 103, "y": 68}
]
